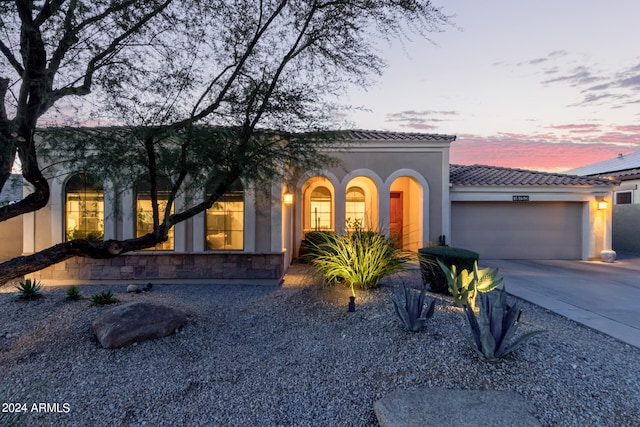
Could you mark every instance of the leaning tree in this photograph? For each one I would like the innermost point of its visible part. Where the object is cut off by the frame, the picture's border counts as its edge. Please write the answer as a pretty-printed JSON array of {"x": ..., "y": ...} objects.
[{"x": 202, "y": 93}]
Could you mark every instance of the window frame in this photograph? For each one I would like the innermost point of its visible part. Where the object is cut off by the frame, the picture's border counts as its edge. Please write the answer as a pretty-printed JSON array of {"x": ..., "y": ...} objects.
[
  {"x": 98, "y": 215},
  {"x": 237, "y": 190}
]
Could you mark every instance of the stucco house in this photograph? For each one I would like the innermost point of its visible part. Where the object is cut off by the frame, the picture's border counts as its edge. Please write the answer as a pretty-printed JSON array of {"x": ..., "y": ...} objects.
[
  {"x": 626, "y": 197},
  {"x": 402, "y": 183}
]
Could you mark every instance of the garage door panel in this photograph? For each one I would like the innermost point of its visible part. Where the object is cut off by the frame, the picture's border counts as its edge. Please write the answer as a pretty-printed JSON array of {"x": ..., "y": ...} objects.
[{"x": 549, "y": 230}]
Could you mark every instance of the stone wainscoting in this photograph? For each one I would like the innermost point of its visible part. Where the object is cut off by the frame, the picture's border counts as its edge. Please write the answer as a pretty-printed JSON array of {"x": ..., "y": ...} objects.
[{"x": 166, "y": 267}]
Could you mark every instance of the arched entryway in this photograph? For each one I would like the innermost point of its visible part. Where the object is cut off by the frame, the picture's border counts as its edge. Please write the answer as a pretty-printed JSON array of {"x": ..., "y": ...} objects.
[
  {"x": 361, "y": 203},
  {"x": 406, "y": 212},
  {"x": 318, "y": 207}
]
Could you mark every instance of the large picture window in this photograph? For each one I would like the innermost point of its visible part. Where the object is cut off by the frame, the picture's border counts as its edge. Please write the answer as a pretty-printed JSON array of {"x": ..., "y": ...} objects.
[
  {"x": 144, "y": 211},
  {"x": 320, "y": 209},
  {"x": 84, "y": 208},
  {"x": 225, "y": 221}
]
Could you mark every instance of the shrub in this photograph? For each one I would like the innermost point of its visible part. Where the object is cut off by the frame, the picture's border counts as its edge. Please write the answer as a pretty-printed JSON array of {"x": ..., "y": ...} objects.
[
  {"x": 465, "y": 286},
  {"x": 73, "y": 293},
  {"x": 449, "y": 256},
  {"x": 104, "y": 297},
  {"x": 359, "y": 258},
  {"x": 494, "y": 330},
  {"x": 412, "y": 310},
  {"x": 29, "y": 289},
  {"x": 310, "y": 246}
]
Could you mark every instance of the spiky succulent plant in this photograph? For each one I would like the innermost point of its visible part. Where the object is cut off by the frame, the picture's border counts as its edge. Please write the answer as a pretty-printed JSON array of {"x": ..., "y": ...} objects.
[
  {"x": 29, "y": 289},
  {"x": 412, "y": 310},
  {"x": 494, "y": 329},
  {"x": 465, "y": 286}
]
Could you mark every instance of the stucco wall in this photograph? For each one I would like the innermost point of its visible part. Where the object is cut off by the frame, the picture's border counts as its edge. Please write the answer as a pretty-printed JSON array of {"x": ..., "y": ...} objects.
[
  {"x": 626, "y": 228},
  {"x": 11, "y": 232}
]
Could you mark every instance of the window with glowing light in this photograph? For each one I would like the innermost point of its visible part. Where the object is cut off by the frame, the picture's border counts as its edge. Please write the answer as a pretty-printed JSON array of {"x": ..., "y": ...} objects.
[
  {"x": 320, "y": 209},
  {"x": 225, "y": 221},
  {"x": 355, "y": 206},
  {"x": 84, "y": 208},
  {"x": 144, "y": 211}
]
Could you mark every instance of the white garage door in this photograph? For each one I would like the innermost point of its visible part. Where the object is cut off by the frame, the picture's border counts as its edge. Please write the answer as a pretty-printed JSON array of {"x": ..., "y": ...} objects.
[{"x": 512, "y": 230}]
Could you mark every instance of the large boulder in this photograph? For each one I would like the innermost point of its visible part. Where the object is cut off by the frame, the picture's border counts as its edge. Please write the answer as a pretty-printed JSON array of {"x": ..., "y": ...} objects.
[{"x": 126, "y": 324}]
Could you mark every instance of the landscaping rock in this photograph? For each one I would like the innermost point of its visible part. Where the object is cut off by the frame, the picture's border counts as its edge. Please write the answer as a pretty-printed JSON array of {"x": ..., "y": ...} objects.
[
  {"x": 135, "y": 322},
  {"x": 453, "y": 408},
  {"x": 133, "y": 288}
]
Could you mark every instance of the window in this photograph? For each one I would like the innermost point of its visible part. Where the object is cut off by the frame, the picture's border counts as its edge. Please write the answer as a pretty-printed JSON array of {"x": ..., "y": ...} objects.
[
  {"x": 84, "y": 208},
  {"x": 225, "y": 221},
  {"x": 355, "y": 207},
  {"x": 320, "y": 209},
  {"x": 623, "y": 198},
  {"x": 144, "y": 211}
]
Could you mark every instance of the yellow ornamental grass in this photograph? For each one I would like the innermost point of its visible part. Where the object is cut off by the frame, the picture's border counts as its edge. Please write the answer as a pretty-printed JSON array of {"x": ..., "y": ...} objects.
[{"x": 359, "y": 259}]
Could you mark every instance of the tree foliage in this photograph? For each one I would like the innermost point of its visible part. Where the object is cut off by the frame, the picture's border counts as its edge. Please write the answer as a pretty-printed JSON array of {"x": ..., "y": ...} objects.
[{"x": 193, "y": 86}]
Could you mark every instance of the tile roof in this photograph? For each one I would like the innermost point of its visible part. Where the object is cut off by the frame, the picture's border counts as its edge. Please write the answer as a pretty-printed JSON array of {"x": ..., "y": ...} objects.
[
  {"x": 493, "y": 175},
  {"x": 621, "y": 163},
  {"x": 399, "y": 136}
]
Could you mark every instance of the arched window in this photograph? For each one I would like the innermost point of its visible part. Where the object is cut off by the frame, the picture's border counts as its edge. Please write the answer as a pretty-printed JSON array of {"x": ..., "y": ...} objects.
[
  {"x": 320, "y": 209},
  {"x": 144, "y": 210},
  {"x": 84, "y": 208},
  {"x": 355, "y": 207},
  {"x": 225, "y": 221}
]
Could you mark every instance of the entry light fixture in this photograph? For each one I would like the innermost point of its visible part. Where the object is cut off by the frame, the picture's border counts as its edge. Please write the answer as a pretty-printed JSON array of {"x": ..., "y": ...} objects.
[
  {"x": 287, "y": 198},
  {"x": 602, "y": 204}
]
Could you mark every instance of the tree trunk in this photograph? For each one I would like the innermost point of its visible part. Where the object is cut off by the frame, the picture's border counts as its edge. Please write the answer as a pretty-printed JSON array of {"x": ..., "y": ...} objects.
[{"x": 22, "y": 265}]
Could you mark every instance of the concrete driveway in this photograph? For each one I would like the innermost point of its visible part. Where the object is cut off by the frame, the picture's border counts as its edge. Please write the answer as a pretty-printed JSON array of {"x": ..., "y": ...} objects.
[{"x": 605, "y": 297}]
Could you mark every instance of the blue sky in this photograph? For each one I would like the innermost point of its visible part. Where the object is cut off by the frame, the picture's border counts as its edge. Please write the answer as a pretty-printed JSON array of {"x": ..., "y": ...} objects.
[{"x": 548, "y": 85}]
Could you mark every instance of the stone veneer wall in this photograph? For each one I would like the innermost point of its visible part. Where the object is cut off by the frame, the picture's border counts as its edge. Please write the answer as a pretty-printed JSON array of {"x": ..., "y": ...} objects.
[{"x": 155, "y": 266}]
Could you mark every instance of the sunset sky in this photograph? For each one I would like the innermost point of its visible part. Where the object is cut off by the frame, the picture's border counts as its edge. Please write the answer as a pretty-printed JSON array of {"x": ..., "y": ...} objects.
[{"x": 548, "y": 85}]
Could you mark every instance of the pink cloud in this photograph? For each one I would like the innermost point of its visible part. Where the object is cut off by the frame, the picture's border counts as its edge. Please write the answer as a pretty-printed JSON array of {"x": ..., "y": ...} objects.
[{"x": 527, "y": 152}]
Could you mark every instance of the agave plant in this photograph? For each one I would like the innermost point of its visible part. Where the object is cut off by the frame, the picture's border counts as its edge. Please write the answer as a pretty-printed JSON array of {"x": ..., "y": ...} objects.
[
  {"x": 73, "y": 293},
  {"x": 494, "y": 330},
  {"x": 29, "y": 289},
  {"x": 412, "y": 312},
  {"x": 104, "y": 297},
  {"x": 465, "y": 286}
]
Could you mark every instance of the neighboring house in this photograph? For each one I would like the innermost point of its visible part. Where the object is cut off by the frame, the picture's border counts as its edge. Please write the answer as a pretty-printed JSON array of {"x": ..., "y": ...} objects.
[
  {"x": 11, "y": 230},
  {"x": 398, "y": 182},
  {"x": 626, "y": 197}
]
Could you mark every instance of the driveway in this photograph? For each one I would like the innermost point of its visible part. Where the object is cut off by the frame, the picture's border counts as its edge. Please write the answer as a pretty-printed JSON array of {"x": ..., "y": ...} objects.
[{"x": 605, "y": 297}]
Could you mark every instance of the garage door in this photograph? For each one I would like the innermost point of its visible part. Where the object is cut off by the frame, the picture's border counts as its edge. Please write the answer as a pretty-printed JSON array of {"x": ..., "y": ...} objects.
[{"x": 528, "y": 230}]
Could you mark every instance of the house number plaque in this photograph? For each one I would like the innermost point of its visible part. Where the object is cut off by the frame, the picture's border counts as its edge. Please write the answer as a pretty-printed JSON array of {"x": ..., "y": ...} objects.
[{"x": 520, "y": 198}]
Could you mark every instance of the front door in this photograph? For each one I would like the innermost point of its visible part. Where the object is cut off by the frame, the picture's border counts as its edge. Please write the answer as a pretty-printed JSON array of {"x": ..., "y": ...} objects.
[{"x": 395, "y": 217}]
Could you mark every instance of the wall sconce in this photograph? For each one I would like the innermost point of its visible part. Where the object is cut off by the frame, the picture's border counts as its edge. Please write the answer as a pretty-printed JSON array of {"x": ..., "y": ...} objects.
[
  {"x": 287, "y": 198},
  {"x": 602, "y": 205}
]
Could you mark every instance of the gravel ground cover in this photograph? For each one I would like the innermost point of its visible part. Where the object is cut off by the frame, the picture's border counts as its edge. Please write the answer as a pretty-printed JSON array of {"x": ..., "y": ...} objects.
[{"x": 291, "y": 355}]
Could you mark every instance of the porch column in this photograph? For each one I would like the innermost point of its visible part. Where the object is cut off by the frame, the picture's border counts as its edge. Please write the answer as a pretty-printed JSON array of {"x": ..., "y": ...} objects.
[
  {"x": 340, "y": 206},
  {"x": 384, "y": 207}
]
